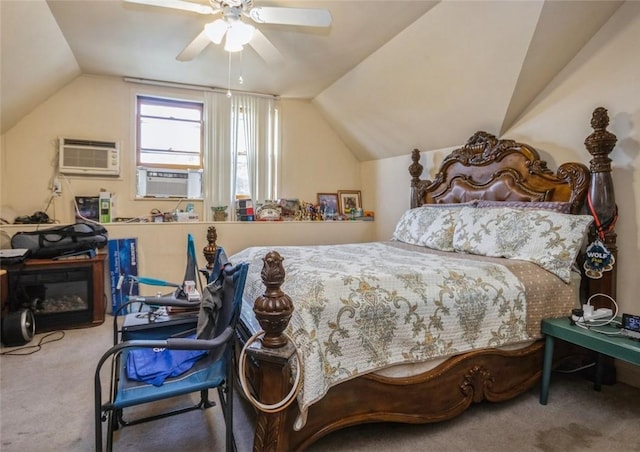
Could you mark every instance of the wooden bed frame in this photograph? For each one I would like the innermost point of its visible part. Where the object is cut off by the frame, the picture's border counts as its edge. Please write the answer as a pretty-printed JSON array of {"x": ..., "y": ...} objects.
[{"x": 485, "y": 168}]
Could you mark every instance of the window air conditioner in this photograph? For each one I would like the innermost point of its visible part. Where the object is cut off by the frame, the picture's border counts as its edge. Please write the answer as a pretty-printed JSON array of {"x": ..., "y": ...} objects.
[
  {"x": 89, "y": 157},
  {"x": 169, "y": 183}
]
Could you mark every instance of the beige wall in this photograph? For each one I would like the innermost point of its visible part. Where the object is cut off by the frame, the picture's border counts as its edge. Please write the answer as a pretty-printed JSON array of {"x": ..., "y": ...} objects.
[{"x": 314, "y": 158}]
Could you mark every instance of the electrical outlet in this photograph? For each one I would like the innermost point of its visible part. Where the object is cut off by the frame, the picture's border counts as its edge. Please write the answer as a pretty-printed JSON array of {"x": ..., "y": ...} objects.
[{"x": 56, "y": 186}]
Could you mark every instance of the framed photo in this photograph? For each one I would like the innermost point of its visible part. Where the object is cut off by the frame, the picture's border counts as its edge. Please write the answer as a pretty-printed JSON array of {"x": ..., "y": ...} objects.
[
  {"x": 349, "y": 200},
  {"x": 289, "y": 207},
  {"x": 328, "y": 204}
]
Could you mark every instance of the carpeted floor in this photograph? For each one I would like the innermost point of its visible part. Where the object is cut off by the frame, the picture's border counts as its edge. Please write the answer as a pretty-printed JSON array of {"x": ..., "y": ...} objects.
[{"x": 46, "y": 404}]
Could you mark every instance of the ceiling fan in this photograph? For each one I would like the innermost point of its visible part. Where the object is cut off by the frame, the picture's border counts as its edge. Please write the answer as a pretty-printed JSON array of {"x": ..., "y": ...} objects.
[{"x": 237, "y": 32}]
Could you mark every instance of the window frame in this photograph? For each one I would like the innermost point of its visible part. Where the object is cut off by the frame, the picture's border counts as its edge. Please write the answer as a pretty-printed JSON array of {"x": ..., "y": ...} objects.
[{"x": 151, "y": 99}]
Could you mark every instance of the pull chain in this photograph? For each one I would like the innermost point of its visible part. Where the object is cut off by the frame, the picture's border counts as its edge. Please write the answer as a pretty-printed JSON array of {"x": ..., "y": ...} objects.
[{"x": 229, "y": 78}]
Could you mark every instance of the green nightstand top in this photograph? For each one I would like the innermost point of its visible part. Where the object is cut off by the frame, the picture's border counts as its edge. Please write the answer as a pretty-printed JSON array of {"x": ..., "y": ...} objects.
[{"x": 618, "y": 346}]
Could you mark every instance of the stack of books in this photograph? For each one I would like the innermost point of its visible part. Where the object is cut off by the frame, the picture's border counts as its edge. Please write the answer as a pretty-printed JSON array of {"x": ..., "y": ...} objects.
[{"x": 244, "y": 210}]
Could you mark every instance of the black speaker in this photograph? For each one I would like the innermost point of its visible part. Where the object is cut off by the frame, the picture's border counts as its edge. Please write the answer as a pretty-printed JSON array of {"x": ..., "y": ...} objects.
[{"x": 18, "y": 327}]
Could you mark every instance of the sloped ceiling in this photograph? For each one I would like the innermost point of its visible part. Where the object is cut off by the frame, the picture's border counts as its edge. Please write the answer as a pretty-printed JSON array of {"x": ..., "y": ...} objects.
[
  {"x": 462, "y": 67},
  {"x": 388, "y": 75},
  {"x": 45, "y": 41},
  {"x": 35, "y": 62}
]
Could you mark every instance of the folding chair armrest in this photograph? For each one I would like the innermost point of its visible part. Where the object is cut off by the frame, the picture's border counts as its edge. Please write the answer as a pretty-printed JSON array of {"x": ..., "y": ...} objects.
[
  {"x": 200, "y": 344},
  {"x": 171, "y": 344},
  {"x": 118, "y": 348}
]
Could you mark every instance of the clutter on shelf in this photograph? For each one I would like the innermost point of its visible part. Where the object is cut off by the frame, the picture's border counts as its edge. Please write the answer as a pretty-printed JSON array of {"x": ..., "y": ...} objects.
[
  {"x": 244, "y": 209},
  {"x": 219, "y": 213}
]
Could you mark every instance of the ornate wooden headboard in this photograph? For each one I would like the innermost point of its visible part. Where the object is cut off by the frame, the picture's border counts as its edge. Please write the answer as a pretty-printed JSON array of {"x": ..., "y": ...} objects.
[
  {"x": 503, "y": 170},
  {"x": 498, "y": 170}
]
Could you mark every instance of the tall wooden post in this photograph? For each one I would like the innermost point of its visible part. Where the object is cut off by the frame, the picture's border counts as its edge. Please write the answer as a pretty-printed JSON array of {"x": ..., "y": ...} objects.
[
  {"x": 272, "y": 357},
  {"x": 600, "y": 144}
]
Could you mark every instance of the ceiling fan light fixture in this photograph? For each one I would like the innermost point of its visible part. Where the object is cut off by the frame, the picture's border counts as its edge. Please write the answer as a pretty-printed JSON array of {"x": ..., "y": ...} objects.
[
  {"x": 215, "y": 30},
  {"x": 240, "y": 32},
  {"x": 231, "y": 46},
  {"x": 237, "y": 32}
]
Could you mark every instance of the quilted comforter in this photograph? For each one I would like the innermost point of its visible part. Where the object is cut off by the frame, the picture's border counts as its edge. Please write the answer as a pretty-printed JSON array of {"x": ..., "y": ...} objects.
[{"x": 363, "y": 307}]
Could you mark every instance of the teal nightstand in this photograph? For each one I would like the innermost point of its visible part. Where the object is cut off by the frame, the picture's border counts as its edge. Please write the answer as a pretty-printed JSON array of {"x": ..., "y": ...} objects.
[{"x": 619, "y": 347}]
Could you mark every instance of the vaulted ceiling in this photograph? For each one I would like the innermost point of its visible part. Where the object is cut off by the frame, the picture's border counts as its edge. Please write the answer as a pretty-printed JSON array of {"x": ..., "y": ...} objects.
[{"x": 388, "y": 75}]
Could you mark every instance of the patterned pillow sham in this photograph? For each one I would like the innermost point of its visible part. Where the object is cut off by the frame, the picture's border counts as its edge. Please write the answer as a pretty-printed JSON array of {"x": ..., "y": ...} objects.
[
  {"x": 557, "y": 206},
  {"x": 431, "y": 226},
  {"x": 547, "y": 238}
]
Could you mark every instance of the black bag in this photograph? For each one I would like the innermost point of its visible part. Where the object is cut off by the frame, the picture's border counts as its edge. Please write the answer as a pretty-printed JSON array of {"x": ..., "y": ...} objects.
[
  {"x": 61, "y": 240},
  {"x": 13, "y": 257}
]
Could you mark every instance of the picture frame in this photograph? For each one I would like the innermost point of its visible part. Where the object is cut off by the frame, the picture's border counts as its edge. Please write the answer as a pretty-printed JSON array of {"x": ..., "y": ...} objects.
[
  {"x": 328, "y": 205},
  {"x": 349, "y": 200},
  {"x": 289, "y": 207}
]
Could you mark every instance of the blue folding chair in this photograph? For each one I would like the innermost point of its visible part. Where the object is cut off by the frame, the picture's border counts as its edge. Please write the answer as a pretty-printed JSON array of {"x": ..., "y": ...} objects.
[
  {"x": 217, "y": 318},
  {"x": 179, "y": 296},
  {"x": 134, "y": 318}
]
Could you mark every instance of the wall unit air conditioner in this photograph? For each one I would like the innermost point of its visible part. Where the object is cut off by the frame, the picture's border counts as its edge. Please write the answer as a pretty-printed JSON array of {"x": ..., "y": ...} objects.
[
  {"x": 89, "y": 157},
  {"x": 169, "y": 183}
]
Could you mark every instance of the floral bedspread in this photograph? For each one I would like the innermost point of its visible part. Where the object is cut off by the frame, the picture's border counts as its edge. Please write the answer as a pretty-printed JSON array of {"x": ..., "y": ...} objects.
[{"x": 363, "y": 307}]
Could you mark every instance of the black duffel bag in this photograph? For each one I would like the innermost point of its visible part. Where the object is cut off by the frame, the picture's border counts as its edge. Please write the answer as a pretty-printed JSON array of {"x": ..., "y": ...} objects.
[{"x": 61, "y": 240}]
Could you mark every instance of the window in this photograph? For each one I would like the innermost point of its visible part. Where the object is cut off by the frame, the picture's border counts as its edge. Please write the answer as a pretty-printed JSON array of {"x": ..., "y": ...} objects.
[
  {"x": 229, "y": 146},
  {"x": 169, "y": 133}
]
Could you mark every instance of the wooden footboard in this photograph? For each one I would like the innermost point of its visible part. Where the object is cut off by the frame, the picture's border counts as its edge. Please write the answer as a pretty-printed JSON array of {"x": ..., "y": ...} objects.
[{"x": 437, "y": 395}]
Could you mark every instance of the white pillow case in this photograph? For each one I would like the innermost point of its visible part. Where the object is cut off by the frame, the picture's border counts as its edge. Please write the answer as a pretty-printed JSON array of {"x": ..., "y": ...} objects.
[
  {"x": 550, "y": 239},
  {"x": 430, "y": 226}
]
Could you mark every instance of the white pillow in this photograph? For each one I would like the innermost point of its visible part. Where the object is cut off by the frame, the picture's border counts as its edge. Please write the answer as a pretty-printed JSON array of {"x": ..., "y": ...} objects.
[
  {"x": 547, "y": 238},
  {"x": 429, "y": 226}
]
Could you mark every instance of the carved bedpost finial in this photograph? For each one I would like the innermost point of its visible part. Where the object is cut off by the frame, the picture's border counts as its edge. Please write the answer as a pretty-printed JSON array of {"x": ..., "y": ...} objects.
[
  {"x": 415, "y": 170},
  {"x": 601, "y": 142},
  {"x": 209, "y": 251},
  {"x": 273, "y": 309}
]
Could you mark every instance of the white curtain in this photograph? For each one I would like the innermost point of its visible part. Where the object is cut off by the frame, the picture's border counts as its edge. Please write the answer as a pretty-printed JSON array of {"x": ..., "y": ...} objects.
[
  {"x": 217, "y": 143},
  {"x": 262, "y": 137}
]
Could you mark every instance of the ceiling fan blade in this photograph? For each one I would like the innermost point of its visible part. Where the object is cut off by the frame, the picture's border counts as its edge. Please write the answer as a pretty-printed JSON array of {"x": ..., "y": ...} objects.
[
  {"x": 195, "y": 47},
  {"x": 177, "y": 4},
  {"x": 263, "y": 47},
  {"x": 308, "y": 17}
]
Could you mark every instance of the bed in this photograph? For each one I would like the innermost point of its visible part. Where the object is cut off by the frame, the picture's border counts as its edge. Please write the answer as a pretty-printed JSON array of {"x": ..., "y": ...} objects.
[{"x": 417, "y": 328}]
